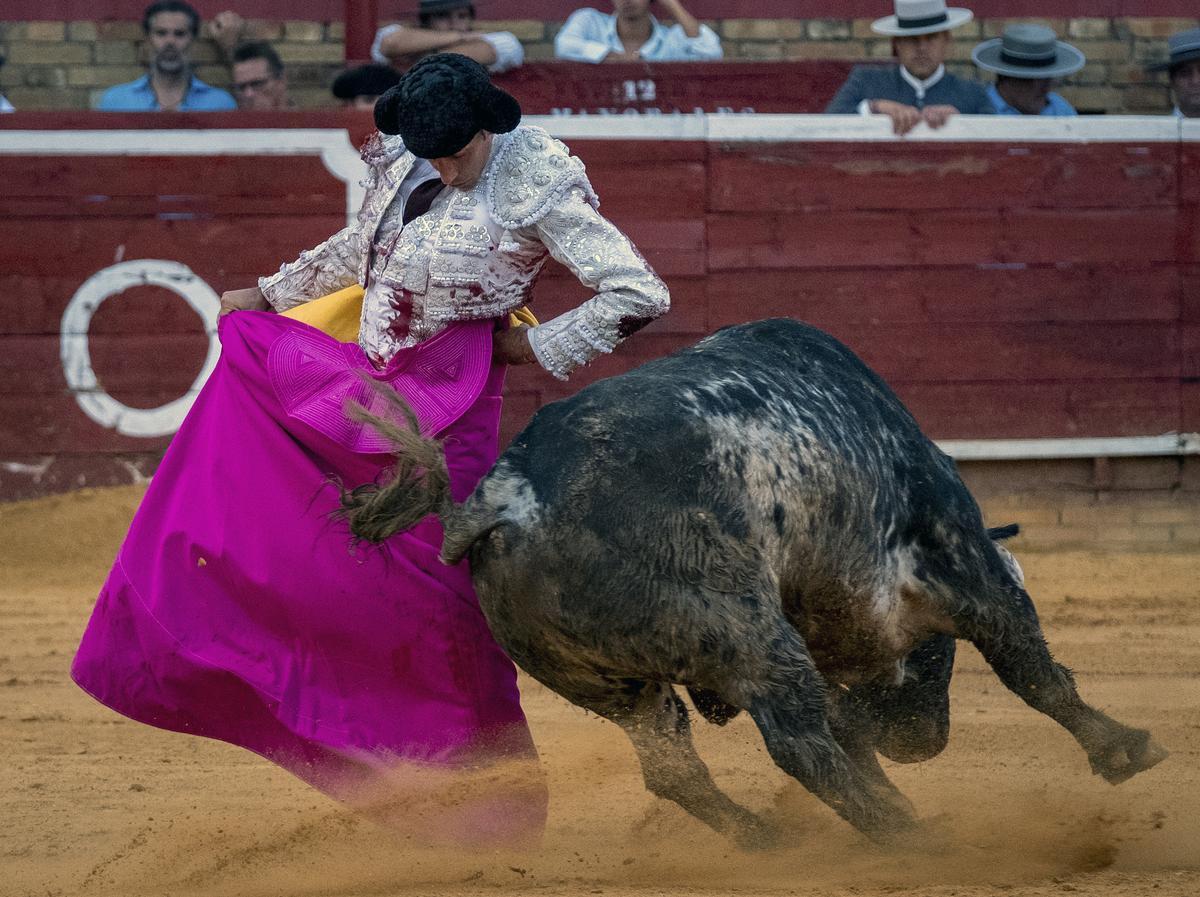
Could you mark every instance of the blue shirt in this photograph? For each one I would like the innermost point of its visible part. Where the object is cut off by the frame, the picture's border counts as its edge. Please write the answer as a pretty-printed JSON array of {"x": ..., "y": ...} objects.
[
  {"x": 138, "y": 96},
  {"x": 1055, "y": 105},
  {"x": 875, "y": 83}
]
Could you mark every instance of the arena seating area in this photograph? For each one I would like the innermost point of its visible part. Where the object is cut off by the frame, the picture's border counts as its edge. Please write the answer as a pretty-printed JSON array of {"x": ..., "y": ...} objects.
[{"x": 63, "y": 53}]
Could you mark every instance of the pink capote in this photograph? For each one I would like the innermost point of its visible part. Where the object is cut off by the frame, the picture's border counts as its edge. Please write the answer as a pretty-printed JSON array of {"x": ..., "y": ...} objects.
[{"x": 235, "y": 608}]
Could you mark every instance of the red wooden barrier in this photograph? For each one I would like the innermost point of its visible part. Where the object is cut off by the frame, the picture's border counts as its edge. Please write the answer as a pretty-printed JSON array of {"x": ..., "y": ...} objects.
[
  {"x": 577, "y": 88},
  {"x": 1026, "y": 289}
]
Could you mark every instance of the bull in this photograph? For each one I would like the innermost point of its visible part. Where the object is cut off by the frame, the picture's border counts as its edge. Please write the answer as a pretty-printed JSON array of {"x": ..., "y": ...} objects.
[{"x": 759, "y": 520}]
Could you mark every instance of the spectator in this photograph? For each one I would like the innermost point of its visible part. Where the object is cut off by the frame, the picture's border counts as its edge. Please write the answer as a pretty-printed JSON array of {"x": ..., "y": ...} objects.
[
  {"x": 446, "y": 26},
  {"x": 259, "y": 79},
  {"x": 919, "y": 89},
  {"x": 1027, "y": 60},
  {"x": 1183, "y": 68},
  {"x": 631, "y": 34},
  {"x": 360, "y": 87},
  {"x": 171, "y": 27},
  {"x": 5, "y": 105}
]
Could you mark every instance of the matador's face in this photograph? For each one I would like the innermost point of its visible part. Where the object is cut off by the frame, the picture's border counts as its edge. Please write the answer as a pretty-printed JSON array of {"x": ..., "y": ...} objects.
[{"x": 464, "y": 168}]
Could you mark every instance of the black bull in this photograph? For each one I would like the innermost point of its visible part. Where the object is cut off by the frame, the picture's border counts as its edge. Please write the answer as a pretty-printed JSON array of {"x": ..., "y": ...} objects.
[{"x": 759, "y": 519}]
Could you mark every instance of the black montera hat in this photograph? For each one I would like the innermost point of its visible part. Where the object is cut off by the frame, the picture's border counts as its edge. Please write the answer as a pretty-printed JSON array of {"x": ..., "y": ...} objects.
[{"x": 441, "y": 103}]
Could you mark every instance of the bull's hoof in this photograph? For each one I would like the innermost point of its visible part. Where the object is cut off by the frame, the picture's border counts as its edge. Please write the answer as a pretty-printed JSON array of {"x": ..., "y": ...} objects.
[
  {"x": 914, "y": 743},
  {"x": 931, "y": 837},
  {"x": 889, "y": 822},
  {"x": 1136, "y": 752},
  {"x": 756, "y": 834}
]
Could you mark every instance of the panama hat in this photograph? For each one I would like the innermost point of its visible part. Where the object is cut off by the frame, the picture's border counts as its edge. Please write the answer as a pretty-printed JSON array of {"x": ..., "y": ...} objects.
[
  {"x": 915, "y": 17},
  {"x": 1182, "y": 47},
  {"x": 1028, "y": 51}
]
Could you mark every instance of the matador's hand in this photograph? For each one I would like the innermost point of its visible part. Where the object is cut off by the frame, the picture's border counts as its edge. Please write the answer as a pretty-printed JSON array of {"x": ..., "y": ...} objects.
[
  {"x": 250, "y": 299},
  {"x": 512, "y": 346}
]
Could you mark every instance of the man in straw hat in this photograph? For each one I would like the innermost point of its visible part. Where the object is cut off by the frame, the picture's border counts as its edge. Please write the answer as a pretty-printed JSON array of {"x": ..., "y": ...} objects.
[
  {"x": 919, "y": 89},
  {"x": 1183, "y": 68},
  {"x": 1027, "y": 61}
]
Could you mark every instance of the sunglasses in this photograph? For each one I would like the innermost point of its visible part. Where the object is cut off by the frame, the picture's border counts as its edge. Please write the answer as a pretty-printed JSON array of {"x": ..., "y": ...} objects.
[{"x": 256, "y": 84}]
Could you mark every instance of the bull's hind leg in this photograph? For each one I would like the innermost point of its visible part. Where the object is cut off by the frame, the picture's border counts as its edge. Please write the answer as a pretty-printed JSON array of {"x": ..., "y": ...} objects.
[
  {"x": 907, "y": 723},
  {"x": 788, "y": 704},
  {"x": 912, "y": 720},
  {"x": 1006, "y": 631},
  {"x": 857, "y": 732},
  {"x": 656, "y": 721}
]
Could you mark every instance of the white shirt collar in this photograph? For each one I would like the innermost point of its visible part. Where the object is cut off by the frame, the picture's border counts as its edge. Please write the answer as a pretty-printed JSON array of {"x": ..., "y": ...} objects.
[
  {"x": 657, "y": 32},
  {"x": 922, "y": 86}
]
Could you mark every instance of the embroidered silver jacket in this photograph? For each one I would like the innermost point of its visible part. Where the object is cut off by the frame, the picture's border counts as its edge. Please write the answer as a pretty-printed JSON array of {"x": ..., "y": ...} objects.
[{"x": 477, "y": 253}]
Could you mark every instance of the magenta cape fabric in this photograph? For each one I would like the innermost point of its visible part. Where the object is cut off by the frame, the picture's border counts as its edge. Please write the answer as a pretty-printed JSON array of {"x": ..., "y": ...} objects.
[{"x": 235, "y": 608}]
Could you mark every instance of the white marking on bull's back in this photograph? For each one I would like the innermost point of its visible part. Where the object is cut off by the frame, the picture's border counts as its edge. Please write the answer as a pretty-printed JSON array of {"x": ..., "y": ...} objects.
[
  {"x": 1010, "y": 561},
  {"x": 885, "y": 600},
  {"x": 515, "y": 495},
  {"x": 889, "y": 607}
]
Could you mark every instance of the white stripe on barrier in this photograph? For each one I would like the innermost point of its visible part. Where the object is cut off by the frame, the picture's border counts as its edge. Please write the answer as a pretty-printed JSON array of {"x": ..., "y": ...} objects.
[
  {"x": 875, "y": 128},
  {"x": 960, "y": 129},
  {"x": 1084, "y": 447}
]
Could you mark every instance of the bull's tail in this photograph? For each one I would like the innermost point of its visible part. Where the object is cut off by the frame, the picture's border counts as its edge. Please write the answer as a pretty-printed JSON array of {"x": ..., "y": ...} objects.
[
  {"x": 420, "y": 483},
  {"x": 1000, "y": 533}
]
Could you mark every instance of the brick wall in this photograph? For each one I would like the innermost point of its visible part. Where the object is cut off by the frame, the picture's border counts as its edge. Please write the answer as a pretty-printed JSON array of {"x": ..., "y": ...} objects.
[
  {"x": 1121, "y": 503},
  {"x": 65, "y": 65},
  {"x": 1050, "y": 519}
]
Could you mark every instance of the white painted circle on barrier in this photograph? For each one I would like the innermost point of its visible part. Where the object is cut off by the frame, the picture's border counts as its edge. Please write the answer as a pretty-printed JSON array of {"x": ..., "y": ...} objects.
[{"x": 77, "y": 359}]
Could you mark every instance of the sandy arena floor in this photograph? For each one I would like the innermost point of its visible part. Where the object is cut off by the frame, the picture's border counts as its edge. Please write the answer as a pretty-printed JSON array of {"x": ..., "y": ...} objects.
[{"x": 94, "y": 804}]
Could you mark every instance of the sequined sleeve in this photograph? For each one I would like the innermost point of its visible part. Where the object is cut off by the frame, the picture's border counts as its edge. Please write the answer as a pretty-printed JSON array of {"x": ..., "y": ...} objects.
[
  {"x": 629, "y": 295},
  {"x": 324, "y": 269}
]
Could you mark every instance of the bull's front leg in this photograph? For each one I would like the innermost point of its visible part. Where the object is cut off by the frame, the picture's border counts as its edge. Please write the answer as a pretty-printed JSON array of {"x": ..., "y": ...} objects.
[
  {"x": 788, "y": 703},
  {"x": 857, "y": 732},
  {"x": 1006, "y": 631}
]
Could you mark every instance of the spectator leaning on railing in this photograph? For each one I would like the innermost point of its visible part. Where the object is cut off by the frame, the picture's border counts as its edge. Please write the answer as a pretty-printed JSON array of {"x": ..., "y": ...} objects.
[
  {"x": 446, "y": 26},
  {"x": 171, "y": 27},
  {"x": 1027, "y": 61},
  {"x": 630, "y": 33},
  {"x": 259, "y": 78},
  {"x": 919, "y": 89},
  {"x": 1183, "y": 68}
]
